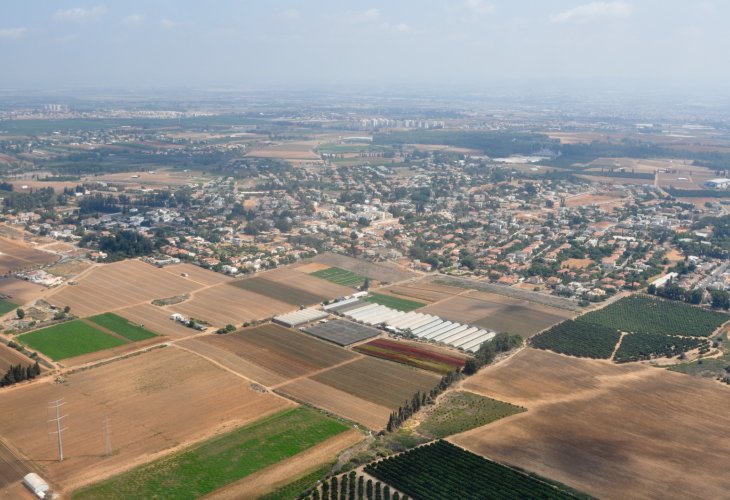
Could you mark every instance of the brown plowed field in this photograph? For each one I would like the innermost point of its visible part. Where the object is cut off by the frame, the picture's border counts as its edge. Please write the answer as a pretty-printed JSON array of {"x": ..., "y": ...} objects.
[
  {"x": 16, "y": 256},
  {"x": 279, "y": 291},
  {"x": 9, "y": 356},
  {"x": 20, "y": 292},
  {"x": 286, "y": 353},
  {"x": 613, "y": 431},
  {"x": 223, "y": 304},
  {"x": 157, "y": 402},
  {"x": 196, "y": 274},
  {"x": 498, "y": 313},
  {"x": 119, "y": 285},
  {"x": 380, "y": 382},
  {"x": 367, "y": 413},
  {"x": 157, "y": 320},
  {"x": 384, "y": 272},
  {"x": 302, "y": 281},
  {"x": 310, "y": 267},
  {"x": 423, "y": 291}
]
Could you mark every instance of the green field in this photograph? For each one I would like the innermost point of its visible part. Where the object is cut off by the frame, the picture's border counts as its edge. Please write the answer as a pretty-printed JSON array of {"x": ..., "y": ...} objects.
[
  {"x": 207, "y": 467},
  {"x": 394, "y": 302},
  {"x": 340, "y": 276},
  {"x": 460, "y": 411},
  {"x": 69, "y": 339},
  {"x": 6, "y": 306},
  {"x": 122, "y": 326},
  {"x": 640, "y": 346}
]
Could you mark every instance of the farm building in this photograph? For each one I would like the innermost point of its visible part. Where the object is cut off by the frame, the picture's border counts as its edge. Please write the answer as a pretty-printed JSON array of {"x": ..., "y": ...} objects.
[
  {"x": 423, "y": 326},
  {"x": 34, "y": 483},
  {"x": 721, "y": 183},
  {"x": 300, "y": 317}
]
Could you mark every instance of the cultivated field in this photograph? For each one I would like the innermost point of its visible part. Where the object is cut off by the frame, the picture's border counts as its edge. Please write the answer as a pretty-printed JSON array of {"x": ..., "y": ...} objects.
[
  {"x": 381, "y": 382},
  {"x": 342, "y": 332},
  {"x": 197, "y": 274},
  {"x": 628, "y": 431},
  {"x": 270, "y": 354},
  {"x": 498, "y": 313},
  {"x": 419, "y": 355},
  {"x": 292, "y": 287},
  {"x": 19, "y": 291},
  {"x": 156, "y": 319},
  {"x": 202, "y": 469},
  {"x": 394, "y": 302},
  {"x": 384, "y": 272},
  {"x": 153, "y": 401},
  {"x": 342, "y": 403},
  {"x": 16, "y": 256},
  {"x": 424, "y": 291},
  {"x": 224, "y": 304},
  {"x": 340, "y": 276},
  {"x": 69, "y": 339},
  {"x": 118, "y": 285},
  {"x": 9, "y": 356}
]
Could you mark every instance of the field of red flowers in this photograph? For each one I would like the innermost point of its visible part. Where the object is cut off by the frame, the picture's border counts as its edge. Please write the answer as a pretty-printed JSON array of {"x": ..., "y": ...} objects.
[{"x": 430, "y": 358}]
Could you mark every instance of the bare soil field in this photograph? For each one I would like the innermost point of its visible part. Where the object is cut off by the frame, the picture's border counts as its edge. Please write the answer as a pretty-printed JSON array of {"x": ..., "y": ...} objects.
[
  {"x": 498, "y": 313},
  {"x": 197, "y": 274},
  {"x": 385, "y": 272},
  {"x": 159, "y": 178},
  {"x": 423, "y": 290},
  {"x": 223, "y": 304},
  {"x": 310, "y": 267},
  {"x": 16, "y": 256},
  {"x": 612, "y": 431},
  {"x": 293, "y": 287},
  {"x": 281, "y": 473},
  {"x": 154, "y": 402},
  {"x": 577, "y": 263},
  {"x": 157, "y": 320},
  {"x": 380, "y": 382},
  {"x": 19, "y": 291},
  {"x": 118, "y": 285},
  {"x": 345, "y": 404},
  {"x": 69, "y": 268},
  {"x": 298, "y": 150},
  {"x": 598, "y": 199},
  {"x": 9, "y": 356},
  {"x": 274, "y": 349},
  {"x": 12, "y": 470}
]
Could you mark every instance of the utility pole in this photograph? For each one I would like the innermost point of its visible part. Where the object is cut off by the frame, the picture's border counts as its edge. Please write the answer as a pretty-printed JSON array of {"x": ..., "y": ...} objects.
[
  {"x": 107, "y": 435},
  {"x": 57, "y": 406}
]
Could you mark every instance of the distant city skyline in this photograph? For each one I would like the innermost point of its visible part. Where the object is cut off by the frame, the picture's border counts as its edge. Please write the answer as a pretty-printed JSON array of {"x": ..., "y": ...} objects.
[{"x": 639, "y": 44}]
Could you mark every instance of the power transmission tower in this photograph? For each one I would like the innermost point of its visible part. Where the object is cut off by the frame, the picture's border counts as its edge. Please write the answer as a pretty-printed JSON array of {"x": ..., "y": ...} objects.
[
  {"x": 107, "y": 435},
  {"x": 57, "y": 406}
]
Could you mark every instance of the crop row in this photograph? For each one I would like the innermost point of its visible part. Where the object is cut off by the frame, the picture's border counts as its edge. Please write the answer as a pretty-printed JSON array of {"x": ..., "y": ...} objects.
[
  {"x": 639, "y": 346},
  {"x": 444, "y": 471},
  {"x": 579, "y": 338}
]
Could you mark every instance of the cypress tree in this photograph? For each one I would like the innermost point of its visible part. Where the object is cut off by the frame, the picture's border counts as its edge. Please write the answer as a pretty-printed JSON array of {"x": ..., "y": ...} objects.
[
  {"x": 378, "y": 495},
  {"x": 386, "y": 492},
  {"x": 360, "y": 488},
  {"x": 325, "y": 490},
  {"x": 353, "y": 478},
  {"x": 369, "y": 489},
  {"x": 343, "y": 488},
  {"x": 315, "y": 494},
  {"x": 333, "y": 488},
  {"x": 396, "y": 495}
]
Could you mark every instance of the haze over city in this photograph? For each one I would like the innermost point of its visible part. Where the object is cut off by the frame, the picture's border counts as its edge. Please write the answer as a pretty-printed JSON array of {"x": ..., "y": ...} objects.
[{"x": 624, "y": 45}]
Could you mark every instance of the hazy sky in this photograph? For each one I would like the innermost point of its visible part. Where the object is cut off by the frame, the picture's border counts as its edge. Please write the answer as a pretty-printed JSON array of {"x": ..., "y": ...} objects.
[{"x": 252, "y": 43}]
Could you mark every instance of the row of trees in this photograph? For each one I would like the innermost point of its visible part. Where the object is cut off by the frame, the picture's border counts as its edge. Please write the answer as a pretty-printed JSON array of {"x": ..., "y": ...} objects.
[
  {"x": 420, "y": 399},
  {"x": 502, "y": 342},
  {"x": 18, "y": 373},
  {"x": 352, "y": 487}
]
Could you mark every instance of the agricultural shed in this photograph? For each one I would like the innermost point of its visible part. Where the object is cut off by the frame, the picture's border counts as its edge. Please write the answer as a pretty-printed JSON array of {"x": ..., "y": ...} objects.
[
  {"x": 300, "y": 317},
  {"x": 34, "y": 483},
  {"x": 342, "y": 332}
]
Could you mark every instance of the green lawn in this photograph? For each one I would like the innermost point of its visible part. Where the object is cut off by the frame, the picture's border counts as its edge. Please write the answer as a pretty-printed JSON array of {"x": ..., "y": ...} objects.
[
  {"x": 69, "y": 339},
  {"x": 394, "y": 302},
  {"x": 207, "y": 467},
  {"x": 6, "y": 306},
  {"x": 340, "y": 276},
  {"x": 122, "y": 326}
]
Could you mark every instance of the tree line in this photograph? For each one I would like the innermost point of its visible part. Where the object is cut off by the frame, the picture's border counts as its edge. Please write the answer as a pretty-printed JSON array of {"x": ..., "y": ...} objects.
[{"x": 18, "y": 373}]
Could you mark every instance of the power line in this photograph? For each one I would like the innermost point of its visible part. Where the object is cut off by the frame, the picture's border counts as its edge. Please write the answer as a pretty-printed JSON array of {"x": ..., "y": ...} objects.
[
  {"x": 107, "y": 435},
  {"x": 57, "y": 406}
]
